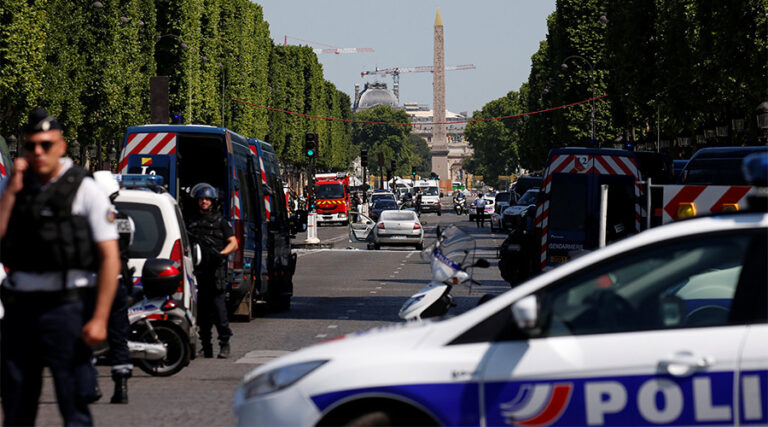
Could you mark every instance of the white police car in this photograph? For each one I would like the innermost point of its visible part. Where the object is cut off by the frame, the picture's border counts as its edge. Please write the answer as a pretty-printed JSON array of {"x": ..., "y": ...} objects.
[{"x": 666, "y": 327}]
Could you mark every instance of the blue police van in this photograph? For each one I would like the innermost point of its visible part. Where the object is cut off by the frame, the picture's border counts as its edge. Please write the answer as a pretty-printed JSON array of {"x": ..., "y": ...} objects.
[{"x": 186, "y": 155}]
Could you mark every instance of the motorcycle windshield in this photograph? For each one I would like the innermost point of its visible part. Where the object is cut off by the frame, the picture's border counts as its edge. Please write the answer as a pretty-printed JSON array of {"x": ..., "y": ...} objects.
[{"x": 450, "y": 253}]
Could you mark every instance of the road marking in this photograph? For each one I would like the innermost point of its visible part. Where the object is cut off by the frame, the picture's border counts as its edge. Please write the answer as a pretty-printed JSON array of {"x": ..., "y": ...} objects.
[
  {"x": 303, "y": 252},
  {"x": 396, "y": 272},
  {"x": 378, "y": 287},
  {"x": 382, "y": 283},
  {"x": 258, "y": 357},
  {"x": 410, "y": 253},
  {"x": 333, "y": 326},
  {"x": 351, "y": 311},
  {"x": 373, "y": 292},
  {"x": 321, "y": 335},
  {"x": 342, "y": 318}
]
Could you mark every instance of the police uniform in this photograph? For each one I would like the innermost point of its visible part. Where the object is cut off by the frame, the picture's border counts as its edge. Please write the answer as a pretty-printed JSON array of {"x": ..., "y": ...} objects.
[
  {"x": 211, "y": 231},
  {"x": 50, "y": 251}
]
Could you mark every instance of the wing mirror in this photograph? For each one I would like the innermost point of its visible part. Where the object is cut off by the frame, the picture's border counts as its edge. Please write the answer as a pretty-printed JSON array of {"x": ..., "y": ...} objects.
[
  {"x": 525, "y": 312},
  {"x": 197, "y": 254}
]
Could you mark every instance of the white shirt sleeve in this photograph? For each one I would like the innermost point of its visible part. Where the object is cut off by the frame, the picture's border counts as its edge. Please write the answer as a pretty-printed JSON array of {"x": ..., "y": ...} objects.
[{"x": 91, "y": 202}]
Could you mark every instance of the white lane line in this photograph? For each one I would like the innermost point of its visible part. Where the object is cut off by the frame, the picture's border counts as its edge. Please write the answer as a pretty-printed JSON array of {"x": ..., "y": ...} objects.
[
  {"x": 396, "y": 272},
  {"x": 258, "y": 357},
  {"x": 333, "y": 326},
  {"x": 373, "y": 292},
  {"x": 321, "y": 335},
  {"x": 378, "y": 287},
  {"x": 382, "y": 283},
  {"x": 410, "y": 253},
  {"x": 342, "y": 318}
]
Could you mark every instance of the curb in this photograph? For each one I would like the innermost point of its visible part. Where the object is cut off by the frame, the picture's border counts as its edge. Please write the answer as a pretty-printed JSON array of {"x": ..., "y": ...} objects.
[{"x": 311, "y": 245}]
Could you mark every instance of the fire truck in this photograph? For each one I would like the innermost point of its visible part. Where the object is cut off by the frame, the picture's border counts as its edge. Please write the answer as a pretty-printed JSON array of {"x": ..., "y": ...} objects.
[{"x": 332, "y": 197}]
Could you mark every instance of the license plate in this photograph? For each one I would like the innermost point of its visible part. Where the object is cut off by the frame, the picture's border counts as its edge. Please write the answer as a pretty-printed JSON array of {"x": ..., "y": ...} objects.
[
  {"x": 559, "y": 259},
  {"x": 327, "y": 217},
  {"x": 397, "y": 237}
]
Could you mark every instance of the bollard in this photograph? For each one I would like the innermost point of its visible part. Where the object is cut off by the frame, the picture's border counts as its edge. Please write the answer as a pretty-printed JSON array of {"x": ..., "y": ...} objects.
[{"x": 312, "y": 229}]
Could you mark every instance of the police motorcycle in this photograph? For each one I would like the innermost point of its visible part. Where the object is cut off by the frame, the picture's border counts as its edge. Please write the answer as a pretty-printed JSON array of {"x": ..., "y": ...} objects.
[
  {"x": 451, "y": 257},
  {"x": 460, "y": 205},
  {"x": 157, "y": 343}
]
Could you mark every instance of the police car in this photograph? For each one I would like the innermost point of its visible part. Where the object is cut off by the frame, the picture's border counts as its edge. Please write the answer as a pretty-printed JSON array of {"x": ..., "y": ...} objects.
[{"x": 669, "y": 326}]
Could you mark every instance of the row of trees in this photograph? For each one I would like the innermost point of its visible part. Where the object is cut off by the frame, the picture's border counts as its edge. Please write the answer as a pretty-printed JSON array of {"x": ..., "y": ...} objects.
[
  {"x": 90, "y": 62},
  {"x": 676, "y": 67}
]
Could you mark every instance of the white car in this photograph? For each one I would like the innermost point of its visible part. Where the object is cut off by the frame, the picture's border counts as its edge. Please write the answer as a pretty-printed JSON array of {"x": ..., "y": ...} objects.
[
  {"x": 666, "y": 327},
  {"x": 398, "y": 227},
  {"x": 160, "y": 233}
]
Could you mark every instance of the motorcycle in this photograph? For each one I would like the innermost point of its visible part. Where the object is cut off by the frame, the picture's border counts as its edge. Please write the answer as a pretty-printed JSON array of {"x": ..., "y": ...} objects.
[
  {"x": 450, "y": 257},
  {"x": 159, "y": 343},
  {"x": 460, "y": 206}
]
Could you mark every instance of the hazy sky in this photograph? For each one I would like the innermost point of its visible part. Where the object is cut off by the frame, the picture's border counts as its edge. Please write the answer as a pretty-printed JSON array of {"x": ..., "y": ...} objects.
[{"x": 498, "y": 36}]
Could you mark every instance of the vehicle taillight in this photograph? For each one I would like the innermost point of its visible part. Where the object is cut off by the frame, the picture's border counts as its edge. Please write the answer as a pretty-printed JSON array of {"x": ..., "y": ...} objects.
[
  {"x": 380, "y": 226},
  {"x": 176, "y": 255},
  {"x": 416, "y": 226},
  {"x": 237, "y": 259},
  {"x": 686, "y": 210}
]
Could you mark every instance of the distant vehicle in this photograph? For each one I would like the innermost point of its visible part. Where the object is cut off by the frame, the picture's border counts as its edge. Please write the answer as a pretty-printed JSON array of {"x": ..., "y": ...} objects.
[
  {"x": 430, "y": 199},
  {"x": 525, "y": 183},
  {"x": 678, "y": 166},
  {"x": 489, "y": 203},
  {"x": 382, "y": 205},
  {"x": 656, "y": 166},
  {"x": 381, "y": 195},
  {"x": 333, "y": 197},
  {"x": 513, "y": 215},
  {"x": 718, "y": 166}
]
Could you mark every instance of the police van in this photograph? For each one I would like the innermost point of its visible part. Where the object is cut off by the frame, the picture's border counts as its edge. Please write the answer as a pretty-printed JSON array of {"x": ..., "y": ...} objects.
[
  {"x": 185, "y": 155},
  {"x": 669, "y": 326}
]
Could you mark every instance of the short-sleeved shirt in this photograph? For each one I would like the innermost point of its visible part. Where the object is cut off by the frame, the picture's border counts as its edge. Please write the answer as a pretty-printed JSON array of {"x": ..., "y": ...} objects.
[
  {"x": 480, "y": 203},
  {"x": 91, "y": 202}
]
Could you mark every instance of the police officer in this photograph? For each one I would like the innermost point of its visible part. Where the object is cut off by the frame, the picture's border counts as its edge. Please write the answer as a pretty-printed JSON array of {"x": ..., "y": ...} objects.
[
  {"x": 480, "y": 211},
  {"x": 59, "y": 242},
  {"x": 214, "y": 235}
]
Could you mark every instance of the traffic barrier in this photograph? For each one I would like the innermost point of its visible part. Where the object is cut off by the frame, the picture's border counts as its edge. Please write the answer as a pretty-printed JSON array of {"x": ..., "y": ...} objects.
[{"x": 312, "y": 229}]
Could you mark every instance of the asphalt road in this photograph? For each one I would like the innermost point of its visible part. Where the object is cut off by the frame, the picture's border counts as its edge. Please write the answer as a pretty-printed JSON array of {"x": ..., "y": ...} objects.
[{"x": 338, "y": 290}]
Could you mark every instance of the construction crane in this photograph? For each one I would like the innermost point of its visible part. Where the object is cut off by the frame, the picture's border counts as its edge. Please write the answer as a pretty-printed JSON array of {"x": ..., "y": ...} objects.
[
  {"x": 329, "y": 48},
  {"x": 395, "y": 72}
]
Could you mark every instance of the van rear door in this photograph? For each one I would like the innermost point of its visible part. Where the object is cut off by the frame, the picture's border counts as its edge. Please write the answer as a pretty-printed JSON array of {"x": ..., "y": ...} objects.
[{"x": 150, "y": 153}]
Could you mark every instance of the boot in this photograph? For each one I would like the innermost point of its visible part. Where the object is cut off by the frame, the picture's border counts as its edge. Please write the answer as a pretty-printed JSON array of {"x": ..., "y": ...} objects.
[
  {"x": 94, "y": 395},
  {"x": 224, "y": 351},
  {"x": 207, "y": 351},
  {"x": 121, "y": 386}
]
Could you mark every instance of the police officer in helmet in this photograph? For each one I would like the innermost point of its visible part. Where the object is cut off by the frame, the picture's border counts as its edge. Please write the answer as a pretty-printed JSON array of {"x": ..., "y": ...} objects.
[
  {"x": 210, "y": 230},
  {"x": 59, "y": 242}
]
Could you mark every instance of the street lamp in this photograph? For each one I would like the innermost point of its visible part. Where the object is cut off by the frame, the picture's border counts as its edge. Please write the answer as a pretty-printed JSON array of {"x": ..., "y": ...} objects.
[
  {"x": 13, "y": 146},
  {"x": 564, "y": 67}
]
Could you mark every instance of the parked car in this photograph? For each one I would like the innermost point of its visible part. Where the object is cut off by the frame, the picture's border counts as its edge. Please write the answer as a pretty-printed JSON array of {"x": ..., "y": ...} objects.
[
  {"x": 512, "y": 216},
  {"x": 525, "y": 183}
]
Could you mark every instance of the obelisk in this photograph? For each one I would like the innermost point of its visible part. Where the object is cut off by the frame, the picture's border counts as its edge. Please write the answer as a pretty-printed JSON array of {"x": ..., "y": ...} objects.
[{"x": 439, "y": 148}]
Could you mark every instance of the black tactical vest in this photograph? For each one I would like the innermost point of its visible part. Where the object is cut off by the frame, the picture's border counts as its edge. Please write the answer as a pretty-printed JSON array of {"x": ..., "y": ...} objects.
[
  {"x": 208, "y": 231},
  {"x": 43, "y": 235}
]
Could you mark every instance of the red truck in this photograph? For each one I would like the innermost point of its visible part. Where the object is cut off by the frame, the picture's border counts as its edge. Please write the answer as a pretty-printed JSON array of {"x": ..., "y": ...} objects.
[{"x": 332, "y": 197}]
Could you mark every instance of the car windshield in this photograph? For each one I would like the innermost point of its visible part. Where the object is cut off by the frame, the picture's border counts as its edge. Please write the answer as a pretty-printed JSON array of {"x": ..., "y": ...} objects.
[
  {"x": 714, "y": 172},
  {"x": 398, "y": 216},
  {"x": 430, "y": 191},
  {"x": 504, "y": 197},
  {"x": 385, "y": 204},
  {"x": 528, "y": 198},
  {"x": 377, "y": 197},
  {"x": 329, "y": 191},
  {"x": 455, "y": 245}
]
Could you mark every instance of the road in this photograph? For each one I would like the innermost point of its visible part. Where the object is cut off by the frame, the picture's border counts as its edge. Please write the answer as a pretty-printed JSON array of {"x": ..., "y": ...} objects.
[{"x": 336, "y": 291}]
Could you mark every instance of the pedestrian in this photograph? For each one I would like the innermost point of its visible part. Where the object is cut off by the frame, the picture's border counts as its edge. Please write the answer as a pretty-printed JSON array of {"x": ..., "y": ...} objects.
[
  {"x": 480, "y": 211},
  {"x": 59, "y": 242},
  {"x": 210, "y": 230},
  {"x": 417, "y": 201}
]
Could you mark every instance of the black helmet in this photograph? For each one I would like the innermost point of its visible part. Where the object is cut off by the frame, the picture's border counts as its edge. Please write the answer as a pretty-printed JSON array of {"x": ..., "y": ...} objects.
[{"x": 204, "y": 190}]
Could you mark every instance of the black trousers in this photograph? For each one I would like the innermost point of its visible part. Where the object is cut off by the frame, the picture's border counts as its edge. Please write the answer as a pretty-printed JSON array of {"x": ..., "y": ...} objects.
[
  {"x": 118, "y": 331},
  {"x": 480, "y": 217},
  {"x": 34, "y": 335},
  {"x": 211, "y": 311}
]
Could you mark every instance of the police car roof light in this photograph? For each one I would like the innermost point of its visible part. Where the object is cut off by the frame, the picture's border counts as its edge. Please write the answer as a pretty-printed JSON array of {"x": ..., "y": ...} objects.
[{"x": 138, "y": 180}]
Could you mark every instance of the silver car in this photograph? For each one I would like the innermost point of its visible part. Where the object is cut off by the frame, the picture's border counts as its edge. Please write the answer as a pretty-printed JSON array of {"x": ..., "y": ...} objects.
[{"x": 398, "y": 228}]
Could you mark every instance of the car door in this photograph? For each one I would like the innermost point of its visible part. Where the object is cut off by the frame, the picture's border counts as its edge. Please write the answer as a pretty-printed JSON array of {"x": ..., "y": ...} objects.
[{"x": 640, "y": 339}]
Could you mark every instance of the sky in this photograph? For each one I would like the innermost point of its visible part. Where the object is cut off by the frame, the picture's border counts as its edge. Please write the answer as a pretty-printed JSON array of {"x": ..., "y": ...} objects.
[{"x": 497, "y": 36}]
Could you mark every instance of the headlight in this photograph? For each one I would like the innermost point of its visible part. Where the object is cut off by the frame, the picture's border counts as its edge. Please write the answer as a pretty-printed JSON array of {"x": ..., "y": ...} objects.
[{"x": 279, "y": 378}]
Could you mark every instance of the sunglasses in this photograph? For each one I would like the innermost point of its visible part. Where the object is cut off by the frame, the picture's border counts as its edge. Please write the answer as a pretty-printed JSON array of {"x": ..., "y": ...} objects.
[{"x": 30, "y": 146}]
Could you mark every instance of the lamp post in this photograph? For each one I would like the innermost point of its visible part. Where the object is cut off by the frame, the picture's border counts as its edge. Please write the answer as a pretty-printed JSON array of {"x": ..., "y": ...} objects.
[
  {"x": 112, "y": 157},
  {"x": 564, "y": 67},
  {"x": 74, "y": 148},
  {"x": 762, "y": 119},
  {"x": 13, "y": 146}
]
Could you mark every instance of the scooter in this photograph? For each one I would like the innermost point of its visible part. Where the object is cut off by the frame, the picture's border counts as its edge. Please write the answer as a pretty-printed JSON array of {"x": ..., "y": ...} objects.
[
  {"x": 460, "y": 206},
  {"x": 160, "y": 327},
  {"x": 449, "y": 257}
]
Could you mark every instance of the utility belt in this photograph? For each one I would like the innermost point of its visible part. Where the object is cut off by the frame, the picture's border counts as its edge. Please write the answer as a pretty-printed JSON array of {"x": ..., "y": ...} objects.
[{"x": 13, "y": 297}]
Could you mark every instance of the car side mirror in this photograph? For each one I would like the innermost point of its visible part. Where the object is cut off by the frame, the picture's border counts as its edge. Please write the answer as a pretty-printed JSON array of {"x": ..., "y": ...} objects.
[
  {"x": 525, "y": 312},
  {"x": 197, "y": 254}
]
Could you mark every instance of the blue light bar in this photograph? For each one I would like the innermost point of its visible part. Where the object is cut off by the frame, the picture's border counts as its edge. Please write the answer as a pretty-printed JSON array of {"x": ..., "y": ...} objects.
[
  {"x": 755, "y": 169},
  {"x": 131, "y": 180}
]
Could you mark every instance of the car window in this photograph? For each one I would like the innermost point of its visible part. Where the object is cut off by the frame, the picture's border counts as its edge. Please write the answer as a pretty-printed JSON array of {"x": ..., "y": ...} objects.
[
  {"x": 385, "y": 204},
  {"x": 150, "y": 231},
  {"x": 529, "y": 197},
  {"x": 430, "y": 191},
  {"x": 682, "y": 284},
  {"x": 504, "y": 197},
  {"x": 398, "y": 216}
]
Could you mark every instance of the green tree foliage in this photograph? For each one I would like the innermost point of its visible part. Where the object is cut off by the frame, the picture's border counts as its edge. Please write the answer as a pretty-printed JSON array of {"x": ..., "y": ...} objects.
[
  {"x": 389, "y": 140},
  {"x": 90, "y": 64},
  {"x": 421, "y": 161}
]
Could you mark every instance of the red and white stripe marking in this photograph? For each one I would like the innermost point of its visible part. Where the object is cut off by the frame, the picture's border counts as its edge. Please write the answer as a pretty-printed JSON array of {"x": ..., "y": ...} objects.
[
  {"x": 3, "y": 169},
  {"x": 705, "y": 198},
  {"x": 267, "y": 202},
  {"x": 586, "y": 164},
  {"x": 236, "y": 199},
  {"x": 147, "y": 143}
]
